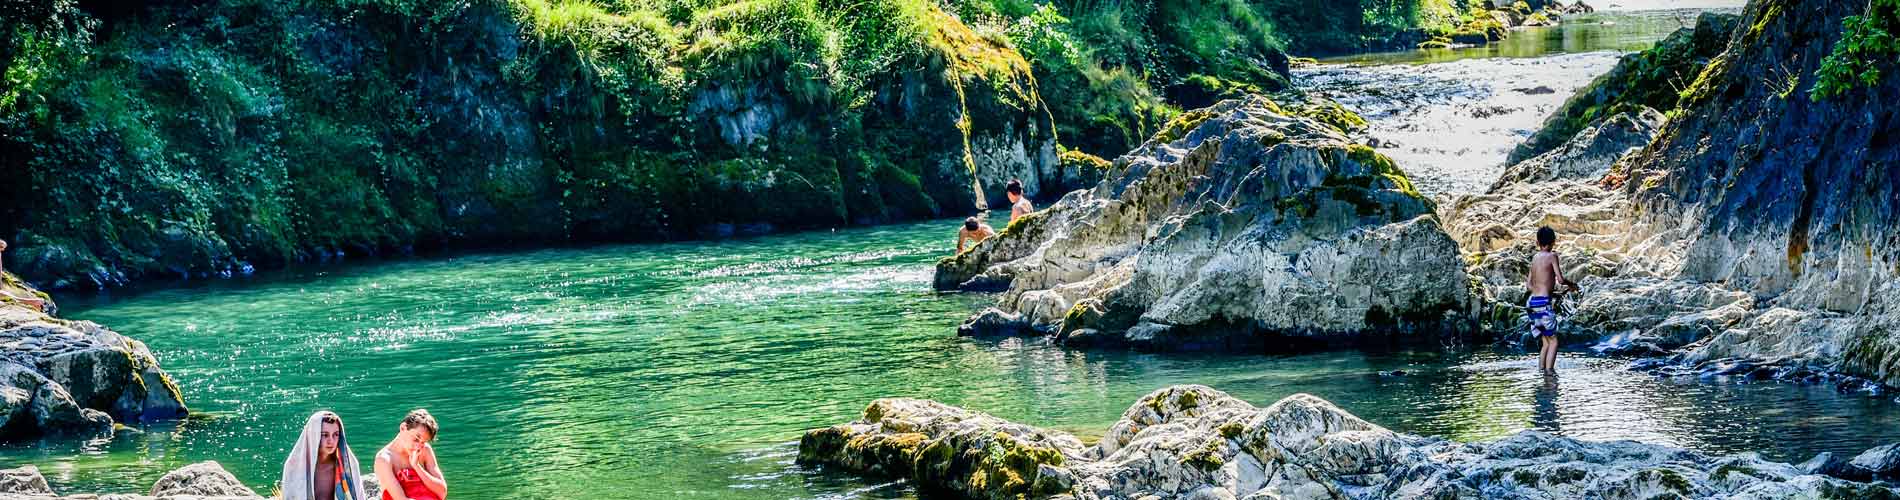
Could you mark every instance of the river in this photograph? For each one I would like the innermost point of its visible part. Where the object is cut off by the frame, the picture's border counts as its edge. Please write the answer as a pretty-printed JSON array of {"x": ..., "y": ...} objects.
[{"x": 689, "y": 370}]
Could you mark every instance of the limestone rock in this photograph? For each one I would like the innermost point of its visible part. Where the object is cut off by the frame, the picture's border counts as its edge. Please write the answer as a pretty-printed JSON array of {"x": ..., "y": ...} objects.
[
  {"x": 993, "y": 322},
  {"x": 25, "y": 480},
  {"x": 1196, "y": 442},
  {"x": 202, "y": 479},
  {"x": 948, "y": 449},
  {"x": 1589, "y": 155},
  {"x": 59, "y": 376},
  {"x": 1882, "y": 462},
  {"x": 1239, "y": 226}
]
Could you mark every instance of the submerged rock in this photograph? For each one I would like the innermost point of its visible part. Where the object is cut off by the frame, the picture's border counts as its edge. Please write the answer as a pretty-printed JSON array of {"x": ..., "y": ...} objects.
[
  {"x": 200, "y": 481},
  {"x": 1196, "y": 442},
  {"x": 1240, "y": 225},
  {"x": 74, "y": 377}
]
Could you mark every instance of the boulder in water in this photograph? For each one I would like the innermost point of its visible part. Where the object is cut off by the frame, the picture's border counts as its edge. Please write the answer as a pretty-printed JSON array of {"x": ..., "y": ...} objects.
[
  {"x": 74, "y": 377},
  {"x": 1247, "y": 225}
]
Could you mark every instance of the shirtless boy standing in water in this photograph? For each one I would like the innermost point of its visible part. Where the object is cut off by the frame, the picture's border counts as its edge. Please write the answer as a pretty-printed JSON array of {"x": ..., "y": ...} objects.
[{"x": 1546, "y": 273}]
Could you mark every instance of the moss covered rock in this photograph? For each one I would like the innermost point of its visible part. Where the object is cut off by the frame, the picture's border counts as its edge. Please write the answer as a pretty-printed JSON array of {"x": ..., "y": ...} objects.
[
  {"x": 1196, "y": 442},
  {"x": 947, "y": 450},
  {"x": 1294, "y": 210},
  {"x": 63, "y": 377}
]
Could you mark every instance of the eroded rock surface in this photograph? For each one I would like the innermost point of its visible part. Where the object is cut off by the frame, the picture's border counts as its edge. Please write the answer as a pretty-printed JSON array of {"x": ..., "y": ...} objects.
[
  {"x": 74, "y": 377},
  {"x": 1240, "y": 225},
  {"x": 1751, "y": 236},
  {"x": 1196, "y": 442}
]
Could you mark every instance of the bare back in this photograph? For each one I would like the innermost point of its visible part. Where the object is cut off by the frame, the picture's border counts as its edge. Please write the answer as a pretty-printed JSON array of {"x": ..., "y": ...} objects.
[{"x": 1544, "y": 275}]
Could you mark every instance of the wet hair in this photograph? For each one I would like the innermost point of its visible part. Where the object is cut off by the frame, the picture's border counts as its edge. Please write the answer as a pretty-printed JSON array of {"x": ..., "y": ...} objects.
[
  {"x": 1014, "y": 187},
  {"x": 971, "y": 224},
  {"x": 1546, "y": 237},
  {"x": 420, "y": 418}
]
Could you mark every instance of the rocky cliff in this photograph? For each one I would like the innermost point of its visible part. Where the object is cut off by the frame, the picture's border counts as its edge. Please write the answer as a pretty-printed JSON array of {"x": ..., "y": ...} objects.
[
  {"x": 1751, "y": 235},
  {"x": 1194, "y": 442},
  {"x": 1249, "y": 223},
  {"x": 189, "y": 139},
  {"x": 73, "y": 377}
]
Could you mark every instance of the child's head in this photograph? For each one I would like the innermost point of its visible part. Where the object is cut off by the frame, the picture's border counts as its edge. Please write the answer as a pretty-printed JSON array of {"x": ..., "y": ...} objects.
[
  {"x": 418, "y": 427},
  {"x": 1015, "y": 189},
  {"x": 971, "y": 224},
  {"x": 1546, "y": 237}
]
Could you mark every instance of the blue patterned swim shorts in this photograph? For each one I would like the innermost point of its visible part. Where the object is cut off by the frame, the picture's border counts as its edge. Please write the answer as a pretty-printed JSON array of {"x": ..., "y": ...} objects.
[{"x": 1543, "y": 321}]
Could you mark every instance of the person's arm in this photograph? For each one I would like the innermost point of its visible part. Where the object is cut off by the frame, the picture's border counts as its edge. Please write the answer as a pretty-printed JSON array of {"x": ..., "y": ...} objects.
[
  {"x": 1530, "y": 275},
  {"x": 36, "y": 302},
  {"x": 431, "y": 474},
  {"x": 386, "y": 475},
  {"x": 960, "y": 237}
]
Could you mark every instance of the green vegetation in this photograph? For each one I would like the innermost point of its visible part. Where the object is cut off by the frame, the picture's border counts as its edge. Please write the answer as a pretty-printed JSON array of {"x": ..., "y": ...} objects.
[
  {"x": 1008, "y": 468},
  {"x": 1868, "y": 43},
  {"x": 1664, "y": 77},
  {"x": 173, "y": 139},
  {"x": 1207, "y": 458}
]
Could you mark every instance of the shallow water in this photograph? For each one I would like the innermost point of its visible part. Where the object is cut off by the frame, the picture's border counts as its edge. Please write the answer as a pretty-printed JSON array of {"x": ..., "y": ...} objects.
[
  {"x": 685, "y": 370},
  {"x": 1450, "y": 117}
]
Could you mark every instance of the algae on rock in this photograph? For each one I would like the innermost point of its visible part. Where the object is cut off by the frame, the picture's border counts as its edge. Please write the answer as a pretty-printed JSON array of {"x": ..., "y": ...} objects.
[{"x": 1247, "y": 223}]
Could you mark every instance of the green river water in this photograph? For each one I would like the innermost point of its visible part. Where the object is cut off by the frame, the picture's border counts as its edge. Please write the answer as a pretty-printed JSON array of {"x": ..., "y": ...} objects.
[{"x": 689, "y": 370}]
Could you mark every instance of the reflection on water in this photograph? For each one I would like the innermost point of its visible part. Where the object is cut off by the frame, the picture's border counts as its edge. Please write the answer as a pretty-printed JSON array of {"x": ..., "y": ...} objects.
[
  {"x": 684, "y": 370},
  {"x": 1604, "y": 31},
  {"x": 1450, "y": 117}
]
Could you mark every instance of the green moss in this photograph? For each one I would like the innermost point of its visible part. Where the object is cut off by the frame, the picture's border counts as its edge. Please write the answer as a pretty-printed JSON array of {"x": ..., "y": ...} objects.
[
  {"x": 1022, "y": 224},
  {"x": 1383, "y": 167},
  {"x": 1435, "y": 43},
  {"x": 1328, "y": 112},
  {"x": 1670, "y": 479},
  {"x": 1724, "y": 470},
  {"x": 1188, "y": 400},
  {"x": 1230, "y": 430},
  {"x": 1008, "y": 466},
  {"x": 1207, "y": 458},
  {"x": 1181, "y": 125}
]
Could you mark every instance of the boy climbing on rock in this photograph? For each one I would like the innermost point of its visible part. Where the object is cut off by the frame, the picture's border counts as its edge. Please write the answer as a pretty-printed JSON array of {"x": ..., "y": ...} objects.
[
  {"x": 1546, "y": 273},
  {"x": 974, "y": 231}
]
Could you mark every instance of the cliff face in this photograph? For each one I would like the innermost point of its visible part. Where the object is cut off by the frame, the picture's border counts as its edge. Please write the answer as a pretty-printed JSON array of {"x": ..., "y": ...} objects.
[
  {"x": 1751, "y": 233},
  {"x": 167, "y": 139},
  {"x": 176, "y": 140},
  {"x": 1792, "y": 194}
]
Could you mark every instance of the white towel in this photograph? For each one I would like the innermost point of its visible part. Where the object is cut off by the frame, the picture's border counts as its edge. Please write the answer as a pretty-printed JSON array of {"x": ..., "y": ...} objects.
[{"x": 300, "y": 469}]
